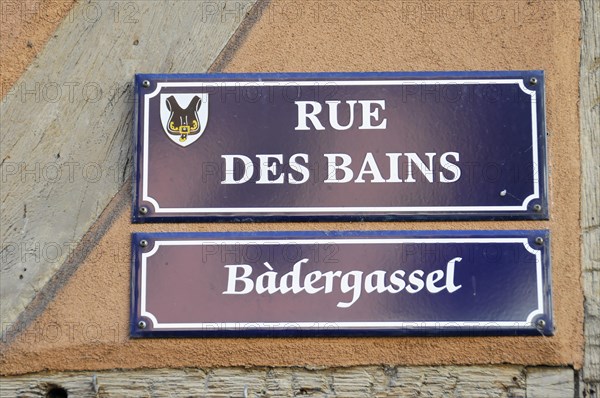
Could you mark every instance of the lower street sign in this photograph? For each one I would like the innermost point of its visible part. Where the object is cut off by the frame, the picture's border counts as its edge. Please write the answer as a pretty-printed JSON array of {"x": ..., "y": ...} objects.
[{"x": 341, "y": 283}]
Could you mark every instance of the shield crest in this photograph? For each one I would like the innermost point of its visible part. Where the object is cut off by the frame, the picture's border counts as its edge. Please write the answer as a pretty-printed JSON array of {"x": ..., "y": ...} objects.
[{"x": 184, "y": 116}]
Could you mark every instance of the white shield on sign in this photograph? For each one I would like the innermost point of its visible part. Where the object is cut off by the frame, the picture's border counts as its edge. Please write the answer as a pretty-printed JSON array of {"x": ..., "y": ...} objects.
[{"x": 184, "y": 116}]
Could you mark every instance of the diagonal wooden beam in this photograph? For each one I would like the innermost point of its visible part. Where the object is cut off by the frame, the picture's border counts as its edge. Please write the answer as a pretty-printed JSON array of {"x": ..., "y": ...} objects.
[{"x": 66, "y": 125}]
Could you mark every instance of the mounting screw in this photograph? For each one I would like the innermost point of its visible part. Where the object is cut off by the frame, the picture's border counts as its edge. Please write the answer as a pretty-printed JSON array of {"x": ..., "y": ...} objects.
[
  {"x": 142, "y": 324},
  {"x": 143, "y": 243},
  {"x": 537, "y": 208},
  {"x": 146, "y": 83},
  {"x": 539, "y": 240},
  {"x": 143, "y": 210},
  {"x": 533, "y": 81},
  {"x": 540, "y": 324}
]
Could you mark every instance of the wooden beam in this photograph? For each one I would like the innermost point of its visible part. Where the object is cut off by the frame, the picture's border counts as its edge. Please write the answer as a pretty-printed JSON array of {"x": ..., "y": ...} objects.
[
  {"x": 545, "y": 382},
  {"x": 66, "y": 131},
  {"x": 590, "y": 193},
  {"x": 362, "y": 381}
]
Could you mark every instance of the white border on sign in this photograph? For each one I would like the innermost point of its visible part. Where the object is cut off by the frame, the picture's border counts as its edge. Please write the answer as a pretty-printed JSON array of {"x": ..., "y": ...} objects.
[
  {"x": 342, "y": 325},
  {"x": 400, "y": 209}
]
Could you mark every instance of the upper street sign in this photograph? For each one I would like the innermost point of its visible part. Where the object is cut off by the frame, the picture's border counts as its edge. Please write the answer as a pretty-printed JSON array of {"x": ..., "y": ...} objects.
[{"x": 346, "y": 146}]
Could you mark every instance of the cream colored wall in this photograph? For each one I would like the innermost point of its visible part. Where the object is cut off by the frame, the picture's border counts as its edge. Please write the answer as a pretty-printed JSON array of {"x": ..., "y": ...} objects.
[{"x": 85, "y": 326}]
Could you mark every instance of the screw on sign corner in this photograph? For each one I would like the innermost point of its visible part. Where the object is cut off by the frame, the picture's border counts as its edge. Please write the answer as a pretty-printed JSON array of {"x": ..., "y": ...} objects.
[
  {"x": 539, "y": 240},
  {"x": 55, "y": 391},
  {"x": 541, "y": 324}
]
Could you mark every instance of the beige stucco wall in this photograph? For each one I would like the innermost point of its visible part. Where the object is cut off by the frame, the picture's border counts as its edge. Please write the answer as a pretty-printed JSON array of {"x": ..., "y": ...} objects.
[{"x": 86, "y": 325}]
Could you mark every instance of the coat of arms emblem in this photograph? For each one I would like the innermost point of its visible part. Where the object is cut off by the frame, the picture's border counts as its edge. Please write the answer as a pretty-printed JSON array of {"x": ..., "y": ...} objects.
[{"x": 184, "y": 116}]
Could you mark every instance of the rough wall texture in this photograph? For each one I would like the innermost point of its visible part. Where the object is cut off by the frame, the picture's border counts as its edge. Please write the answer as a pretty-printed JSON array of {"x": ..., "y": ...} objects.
[{"x": 86, "y": 326}]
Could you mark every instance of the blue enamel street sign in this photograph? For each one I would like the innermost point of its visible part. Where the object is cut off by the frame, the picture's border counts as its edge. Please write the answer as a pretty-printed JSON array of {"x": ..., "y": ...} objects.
[
  {"x": 340, "y": 146},
  {"x": 341, "y": 283}
]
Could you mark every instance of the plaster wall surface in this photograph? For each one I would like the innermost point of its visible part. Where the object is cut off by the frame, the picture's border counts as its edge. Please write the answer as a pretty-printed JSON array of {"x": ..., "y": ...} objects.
[{"x": 85, "y": 326}]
